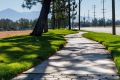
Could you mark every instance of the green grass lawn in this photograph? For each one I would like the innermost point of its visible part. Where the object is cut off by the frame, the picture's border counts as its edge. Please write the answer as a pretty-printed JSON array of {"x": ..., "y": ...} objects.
[
  {"x": 20, "y": 53},
  {"x": 112, "y": 43}
]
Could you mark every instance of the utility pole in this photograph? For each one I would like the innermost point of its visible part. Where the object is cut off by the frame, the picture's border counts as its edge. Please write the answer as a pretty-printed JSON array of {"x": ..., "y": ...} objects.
[
  {"x": 69, "y": 15},
  {"x": 84, "y": 19},
  {"x": 103, "y": 1},
  {"x": 94, "y": 8},
  {"x": 88, "y": 15},
  {"x": 79, "y": 13},
  {"x": 113, "y": 18}
]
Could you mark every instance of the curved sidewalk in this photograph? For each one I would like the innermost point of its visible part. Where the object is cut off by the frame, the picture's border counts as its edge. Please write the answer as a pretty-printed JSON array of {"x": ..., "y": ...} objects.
[{"x": 80, "y": 59}]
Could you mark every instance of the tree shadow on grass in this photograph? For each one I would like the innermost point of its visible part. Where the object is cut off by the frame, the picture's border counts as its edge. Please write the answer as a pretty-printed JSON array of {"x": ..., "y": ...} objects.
[{"x": 22, "y": 52}]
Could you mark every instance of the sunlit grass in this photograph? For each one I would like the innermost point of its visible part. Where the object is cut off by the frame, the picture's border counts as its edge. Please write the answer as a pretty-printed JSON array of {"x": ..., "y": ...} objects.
[
  {"x": 112, "y": 43},
  {"x": 20, "y": 53}
]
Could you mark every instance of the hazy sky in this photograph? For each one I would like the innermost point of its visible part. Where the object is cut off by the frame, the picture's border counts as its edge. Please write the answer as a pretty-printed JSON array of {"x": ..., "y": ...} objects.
[
  {"x": 16, "y": 5},
  {"x": 86, "y": 5}
]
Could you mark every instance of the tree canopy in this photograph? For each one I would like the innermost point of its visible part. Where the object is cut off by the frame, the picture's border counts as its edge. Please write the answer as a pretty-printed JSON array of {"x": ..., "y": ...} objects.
[{"x": 60, "y": 10}]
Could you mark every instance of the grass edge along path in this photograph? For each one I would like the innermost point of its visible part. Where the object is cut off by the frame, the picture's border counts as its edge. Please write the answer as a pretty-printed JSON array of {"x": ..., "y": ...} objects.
[
  {"x": 112, "y": 43},
  {"x": 20, "y": 53}
]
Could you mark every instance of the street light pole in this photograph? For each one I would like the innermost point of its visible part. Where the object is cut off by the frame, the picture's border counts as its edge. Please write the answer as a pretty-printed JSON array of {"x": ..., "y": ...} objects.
[
  {"x": 113, "y": 18},
  {"x": 79, "y": 12}
]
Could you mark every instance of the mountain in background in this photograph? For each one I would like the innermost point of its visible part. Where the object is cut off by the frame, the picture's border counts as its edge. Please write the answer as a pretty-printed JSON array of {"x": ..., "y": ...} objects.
[{"x": 14, "y": 15}]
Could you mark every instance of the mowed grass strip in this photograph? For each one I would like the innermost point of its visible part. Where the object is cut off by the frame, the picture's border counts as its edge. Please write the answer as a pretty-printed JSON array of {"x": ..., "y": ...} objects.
[
  {"x": 20, "y": 53},
  {"x": 112, "y": 43}
]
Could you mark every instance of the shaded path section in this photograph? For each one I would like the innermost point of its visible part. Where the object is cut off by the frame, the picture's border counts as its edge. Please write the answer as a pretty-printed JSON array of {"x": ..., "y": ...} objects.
[{"x": 80, "y": 59}]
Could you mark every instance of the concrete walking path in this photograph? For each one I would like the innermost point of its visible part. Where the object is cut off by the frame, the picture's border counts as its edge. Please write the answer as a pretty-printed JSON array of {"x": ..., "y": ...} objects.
[{"x": 80, "y": 59}]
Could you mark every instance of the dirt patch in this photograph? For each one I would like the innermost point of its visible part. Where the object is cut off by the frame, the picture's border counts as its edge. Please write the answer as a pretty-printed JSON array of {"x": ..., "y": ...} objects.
[{"x": 6, "y": 34}]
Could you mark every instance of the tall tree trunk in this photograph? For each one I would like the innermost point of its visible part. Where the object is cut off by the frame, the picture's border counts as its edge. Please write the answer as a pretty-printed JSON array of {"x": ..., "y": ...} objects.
[
  {"x": 42, "y": 20},
  {"x": 53, "y": 14},
  {"x": 45, "y": 29},
  {"x": 69, "y": 15}
]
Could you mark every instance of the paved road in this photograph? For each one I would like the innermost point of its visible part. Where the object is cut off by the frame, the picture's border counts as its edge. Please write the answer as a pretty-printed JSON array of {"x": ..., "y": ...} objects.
[
  {"x": 102, "y": 29},
  {"x": 80, "y": 59}
]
